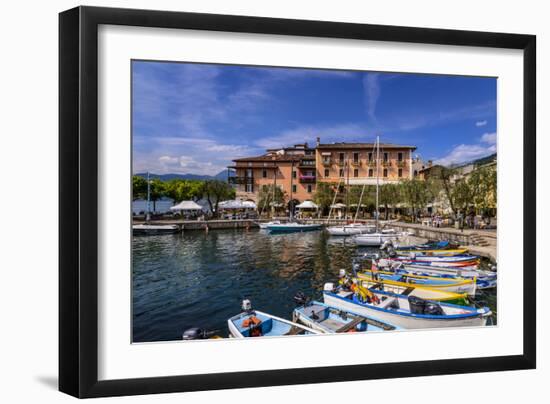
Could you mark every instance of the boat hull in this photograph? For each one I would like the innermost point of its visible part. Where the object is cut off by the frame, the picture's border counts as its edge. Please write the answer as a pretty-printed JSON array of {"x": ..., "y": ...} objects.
[
  {"x": 374, "y": 240},
  {"x": 145, "y": 230},
  {"x": 407, "y": 321},
  {"x": 295, "y": 228}
]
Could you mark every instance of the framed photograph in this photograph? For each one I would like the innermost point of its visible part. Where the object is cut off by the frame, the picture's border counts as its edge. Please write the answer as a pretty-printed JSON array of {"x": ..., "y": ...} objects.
[{"x": 251, "y": 202}]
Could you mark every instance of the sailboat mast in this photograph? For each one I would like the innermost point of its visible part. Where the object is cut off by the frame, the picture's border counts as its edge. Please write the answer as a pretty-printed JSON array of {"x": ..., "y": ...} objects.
[
  {"x": 377, "y": 176},
  {"x": 148, "y": 216},
  {"x": 274, "y": 186},
  {"x": 290, "y": 205}
]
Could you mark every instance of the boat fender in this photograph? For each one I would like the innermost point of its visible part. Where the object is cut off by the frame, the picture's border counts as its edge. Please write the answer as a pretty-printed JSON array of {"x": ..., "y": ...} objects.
[{"x": 328, "y": 287}]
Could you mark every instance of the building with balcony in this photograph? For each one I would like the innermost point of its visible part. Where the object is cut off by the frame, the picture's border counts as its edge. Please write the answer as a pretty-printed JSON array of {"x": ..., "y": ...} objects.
[
  {"x": 355, "y": 163},
  {"x": 297, "y": 169}
]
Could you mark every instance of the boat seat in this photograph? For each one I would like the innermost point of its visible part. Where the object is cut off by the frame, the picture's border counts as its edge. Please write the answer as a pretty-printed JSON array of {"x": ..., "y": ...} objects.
[{"x": 386, "y": 303}]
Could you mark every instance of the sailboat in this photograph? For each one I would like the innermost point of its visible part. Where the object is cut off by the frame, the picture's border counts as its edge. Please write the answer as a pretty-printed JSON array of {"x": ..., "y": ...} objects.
[
  {"x": 291, "y": 226},
  {"x": 349, "y": 229},
  {"x": 378, "y": 237},
  {"x": 152, "y": 229}
]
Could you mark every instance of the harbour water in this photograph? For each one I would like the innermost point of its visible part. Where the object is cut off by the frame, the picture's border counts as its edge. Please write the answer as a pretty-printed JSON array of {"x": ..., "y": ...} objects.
[{"x": 198, "y": 279}]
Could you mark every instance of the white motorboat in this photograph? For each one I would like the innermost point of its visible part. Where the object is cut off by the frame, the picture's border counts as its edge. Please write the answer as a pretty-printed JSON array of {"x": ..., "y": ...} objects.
[
  {"x": 265, "y": 225},
  {"x": 350, "y": 229},
  {"x": 406, "y": 311},
  {"x": 151, "y": 229}
]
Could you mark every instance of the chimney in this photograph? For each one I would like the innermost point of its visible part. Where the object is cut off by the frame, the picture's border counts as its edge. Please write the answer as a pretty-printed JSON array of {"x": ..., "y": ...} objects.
[{"x": 318, "y": 141}]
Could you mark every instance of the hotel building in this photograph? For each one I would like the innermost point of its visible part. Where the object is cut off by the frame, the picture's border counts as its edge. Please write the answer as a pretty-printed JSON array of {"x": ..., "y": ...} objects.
[{"x": 298, "y": 169}]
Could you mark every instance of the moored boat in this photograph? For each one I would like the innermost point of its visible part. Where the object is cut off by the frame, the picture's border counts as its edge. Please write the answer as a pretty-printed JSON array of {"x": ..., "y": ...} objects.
[
  {"x": 454, "y": 285},
  {"x": 434, "y": 253},
  {"x": 264, "y": 225},
  {"x": 292, "y": 227},
  {"x": 406, "y": 311},
  {"x": 350, "y": 229},
  {"x": 255, "y": 323},
  {"x": 426, "y": 293},
  {"x": 154, "y": 229},
  {"x": 375, "y": 239},
  {"x": 329, "y": 320}
]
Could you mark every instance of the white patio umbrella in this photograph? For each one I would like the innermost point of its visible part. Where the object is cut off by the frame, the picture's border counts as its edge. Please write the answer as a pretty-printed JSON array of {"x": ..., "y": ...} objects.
[
  {"x": 237, "y": 204},
  {"x": 338, "y": 206},
  {"x": 186, "y": 205},
  {"x": 307, "y": 205}
]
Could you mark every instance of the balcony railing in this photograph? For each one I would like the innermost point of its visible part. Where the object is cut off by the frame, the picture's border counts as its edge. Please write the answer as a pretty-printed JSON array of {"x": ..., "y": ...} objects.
[
  {"x": 400, "y": 163},
  {"x": 307, "y": 178},
  {"x": 356, "y": 162},
  {"x": 341, "y": 162},
  {"x": 327, "y": 162},
  {"x": 307, "y": 163},
  {"x": 241, "y": 180}
]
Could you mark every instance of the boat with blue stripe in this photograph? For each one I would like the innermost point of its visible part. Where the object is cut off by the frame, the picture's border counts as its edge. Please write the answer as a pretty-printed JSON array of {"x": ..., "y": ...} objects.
[
  {"x": 254, "y": 323},
  {"x": 408, "y": 312},
  {"x": 329, "y": 320},
  {"x": 292, "y": 227}
]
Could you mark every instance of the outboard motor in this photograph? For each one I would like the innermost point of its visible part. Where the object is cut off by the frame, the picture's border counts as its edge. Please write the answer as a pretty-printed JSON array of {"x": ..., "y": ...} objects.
[
  {"x": 412, "y": 256},
  {"x": 195, "y": 333},
  {"x": 387, "y": 245},
  {"x": 246, "y": 306},
  {"x": 300, "y": 298},
  {"x": 392, "y": 254}
]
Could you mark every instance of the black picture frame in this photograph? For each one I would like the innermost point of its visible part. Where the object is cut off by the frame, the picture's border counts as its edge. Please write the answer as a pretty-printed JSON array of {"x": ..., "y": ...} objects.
[{"x": 78, "y": 196}]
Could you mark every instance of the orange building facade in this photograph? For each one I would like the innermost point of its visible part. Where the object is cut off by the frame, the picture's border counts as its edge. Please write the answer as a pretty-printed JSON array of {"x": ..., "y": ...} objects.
[{"x": 298, "y": 169}]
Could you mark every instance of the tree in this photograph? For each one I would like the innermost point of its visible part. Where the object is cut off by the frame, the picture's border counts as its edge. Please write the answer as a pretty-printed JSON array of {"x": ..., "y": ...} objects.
[
  {"x": 483, "y": 184},
  {"x": 443, "y": 180},
  {"x": 216, "y": 191},
  {"x": 390, "y": 194},
  {"x": 139, "y": 187},
  {"x": 324, "y": 194},
  {"x": 270, "y": 196},
  {"x": 181, "y": 190},
  {"x": 157, "y": 191},
  {"x": 416, "y": 194}
]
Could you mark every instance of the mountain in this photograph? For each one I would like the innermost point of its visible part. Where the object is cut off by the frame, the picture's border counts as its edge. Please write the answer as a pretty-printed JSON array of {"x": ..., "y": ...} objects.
[
  {"x": 477, "y": 162},
  {"x": 221, "y": 176}
]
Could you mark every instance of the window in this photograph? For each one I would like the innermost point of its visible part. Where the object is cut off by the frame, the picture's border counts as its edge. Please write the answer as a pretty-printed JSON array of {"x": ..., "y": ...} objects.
[
  {"x": 309, "y": 189},
  {"x": 385, "y": 172},
  {"x": 371, "y": 172},
  {"x": 341, "y": 172},
  {"x": 293, "y": 188},
  {"x": 415, "y": 173},
  {"x": 386, "y": 157},
  {"x": 327, "y": 172},
  {"x": 356, "y": 158},
  {"x": 400, "y": 156},
  {"x": 249, "y": 172},
  {"x": 249, "y": 188},
  {"x": 264, "y": 173},
  {"x": 370, "y": 156},
  {"x": 356, "y": 173},
  {"x": 400, "y": 173},
  {"x": 293, "y": 174}
]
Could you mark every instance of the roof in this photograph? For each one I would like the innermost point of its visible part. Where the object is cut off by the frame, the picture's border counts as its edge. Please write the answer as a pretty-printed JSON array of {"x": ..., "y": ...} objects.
[
  {"x": 344, "y": 145},
  {"x": 268, "y": 157}
]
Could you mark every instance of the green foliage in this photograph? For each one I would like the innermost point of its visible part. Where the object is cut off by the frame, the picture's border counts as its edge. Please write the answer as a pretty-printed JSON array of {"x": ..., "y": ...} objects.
[
  {"x": 139, "y": 187},
  {"x": 483, "y": 186},
  {"x": 324, "y": 194},
  {"x": 416, "y": 193},
  {"x": 183, "y": 190},
  {"x": 216, "y": 191},
  {"x": 269, "y": 196},
  {"x": 390, "y": 194}
]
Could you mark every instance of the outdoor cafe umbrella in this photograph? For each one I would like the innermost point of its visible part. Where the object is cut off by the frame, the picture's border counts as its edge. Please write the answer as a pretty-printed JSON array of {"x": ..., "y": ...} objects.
[
  {"x": 186, "y": 205},
  {"x": 307, "y": 205}
]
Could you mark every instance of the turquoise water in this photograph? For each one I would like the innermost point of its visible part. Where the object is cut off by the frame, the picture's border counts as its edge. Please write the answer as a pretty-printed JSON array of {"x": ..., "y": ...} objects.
[{"x": 198, "y": 279}]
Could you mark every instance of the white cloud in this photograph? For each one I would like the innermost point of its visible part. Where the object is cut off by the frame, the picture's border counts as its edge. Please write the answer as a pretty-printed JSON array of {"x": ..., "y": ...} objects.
[
  {"x": 481, "y": 123},
  {"x": 464, "y": 153},
  {"x": 371, "y": 87},
  {"x": 489, "y": 138}
]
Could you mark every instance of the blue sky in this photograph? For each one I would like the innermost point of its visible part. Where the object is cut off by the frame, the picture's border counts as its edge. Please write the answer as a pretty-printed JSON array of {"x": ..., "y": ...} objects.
[{"x": 195, "y": 118}]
